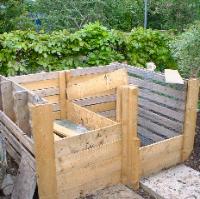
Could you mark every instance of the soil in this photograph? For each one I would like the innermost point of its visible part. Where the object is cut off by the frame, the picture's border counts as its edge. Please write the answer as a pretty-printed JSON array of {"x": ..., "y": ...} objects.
[{"x": 194, "y": 160}]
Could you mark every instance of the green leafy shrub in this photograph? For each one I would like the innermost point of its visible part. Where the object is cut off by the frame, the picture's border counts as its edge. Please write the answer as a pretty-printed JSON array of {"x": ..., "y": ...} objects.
[
  {"x": 23, "y": 52},
  {"x": 146, "y": 45},
  {"x": 185, "y": 49}
]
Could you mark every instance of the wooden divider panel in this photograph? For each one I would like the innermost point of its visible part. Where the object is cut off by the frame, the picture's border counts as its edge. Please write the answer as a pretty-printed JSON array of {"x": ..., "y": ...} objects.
[
  {"x": 89, "y": 119},
  {"x": 89, "y": 161},
  {"x": 160, "y": 155},
  {"x": 102, "y": 83},
  {"x": 161, "y": 105}
]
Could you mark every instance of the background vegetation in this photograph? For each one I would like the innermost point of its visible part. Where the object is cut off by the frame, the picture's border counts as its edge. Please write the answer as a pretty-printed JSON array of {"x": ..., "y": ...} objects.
[{"x": 51, "y": 35}]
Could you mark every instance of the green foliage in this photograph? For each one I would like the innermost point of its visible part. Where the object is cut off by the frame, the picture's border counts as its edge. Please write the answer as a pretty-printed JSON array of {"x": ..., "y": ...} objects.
[
  {"x": 27, "y": 51},
  {"x": 173, "y": 14},
  {"x": 185, "y": 49},
  {"x": 13, "y": 15},
  {"x": 146, "y": 45}
]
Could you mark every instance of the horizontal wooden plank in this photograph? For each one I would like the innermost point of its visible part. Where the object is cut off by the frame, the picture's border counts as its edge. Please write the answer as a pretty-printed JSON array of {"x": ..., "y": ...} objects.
[
  {"x": 87, "y": 118},
  {"x": 158, "y": 129},
  {"x": 83, "y": 190},
  {"x": 90, "y": 173},
  {"x": 152, "y": 76},
  {"x": 160, "y": 155},
  {"x": 41, "y": 84},
  {"x": 47, "y": 92},
  {"x": 95, "y": 70},
  {"x": 108, "y": 114},
  {"x": 52, "y": 99},
  {"x": 163, "y": 121},
  {"x": 155, "y": 97},
  {"x": 145, "y": 104},
  {"x": 149, "y": 135},
  {"x": 17, "y": 132},
  {"x": 34, "y": 77},
  {"x": 88, "y": 140},
  {"x": 95, "y": 100},
  {"x": 102, "y": 83},
  {"x": 102, "y": 107},
  {"x": 92, "y": 156},
  {"x": 158, "y": 88}
]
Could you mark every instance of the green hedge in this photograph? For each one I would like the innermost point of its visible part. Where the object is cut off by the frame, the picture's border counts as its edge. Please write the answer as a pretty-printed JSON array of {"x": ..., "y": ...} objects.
[{"x": 24, "y": 52}]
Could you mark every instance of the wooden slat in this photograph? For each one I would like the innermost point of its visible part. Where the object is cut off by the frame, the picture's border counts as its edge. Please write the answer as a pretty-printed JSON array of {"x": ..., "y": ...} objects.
[
  {"x": 158, "y": 88},
  {"x": 158, "y": 129},
  {"x": 102, "y": 83},
  {"x": 41, "y": 84},
  {"x": 34, "y": 77},
  {"x": 102, "y": 107},
  {"x": 149, "y": 135},
  {"x": 87, "y": 118},
  {"x": 170, "y": 102},
  {"x": 160, "y": 155},
  {"x": 47, "y": 92},
  {"x": 95, "y": 70},
  {"x": 7, "y": 99},
  {"x": 100, "y": 183},
  {"x": 95, "y": 100},
  {"x": 62, "y": 96},
  {"x": 42, "y": 125},
  {"x": 178, "y": 126},
  {"x": 93, "y": 171},
  {"x": 52, "y": 99},
  {"x": 190, "y": 117},
  {"x": 22, "y": 111},
  {"x": 108, "y": 114},
  {"x": 88, "y": 140},
  {"x": 16, "y": 131},
  {"x": 161, "y": 110}
]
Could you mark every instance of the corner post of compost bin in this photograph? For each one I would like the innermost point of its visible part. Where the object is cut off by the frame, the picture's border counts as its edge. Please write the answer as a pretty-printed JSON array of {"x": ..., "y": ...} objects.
[
  {"x": 130, "y": 141},
  {"x": 22, "y": 111},
  {"x": 7, "y": 98},
  {"x": 42, "y": 129},
  {"x": 1, "y": 105},
  {"x": 190, "y": 118},
  {"x": 62, "y": 95}
]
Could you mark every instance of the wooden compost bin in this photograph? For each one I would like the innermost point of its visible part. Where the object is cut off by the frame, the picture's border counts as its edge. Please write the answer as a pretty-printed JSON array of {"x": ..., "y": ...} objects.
[{"x": 133, "y": 130}]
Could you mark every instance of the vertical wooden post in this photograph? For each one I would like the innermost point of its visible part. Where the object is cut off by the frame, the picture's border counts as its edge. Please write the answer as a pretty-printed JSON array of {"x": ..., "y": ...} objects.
[
  {"x": 7, "y": 99},
  {"x": 42, "y": 128},
  {"x": 67, "y": 77},
  {"x": 130, "y": 141},
  {"x": 62, "y": 86},
  {"x": 22, "y": 111},
  {"x": 190, "y": 118},
  {"x": 1, "y": 105}
]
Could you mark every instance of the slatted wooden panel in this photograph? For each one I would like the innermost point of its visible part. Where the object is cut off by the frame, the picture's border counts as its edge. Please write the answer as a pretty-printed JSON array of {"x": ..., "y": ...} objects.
[
  {"x": 161, "y": 105},
  {"x": 45, "y": 85},
  {"x": 103, "y": 103},
  {"x": 88, "y": 162}
]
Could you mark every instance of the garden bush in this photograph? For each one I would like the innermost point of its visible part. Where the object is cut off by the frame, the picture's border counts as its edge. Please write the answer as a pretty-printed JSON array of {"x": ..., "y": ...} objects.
[
  {"x": 23, "y": 52},
  {"x": 185, "y": 49},
  {"x": 146, "y": 45}
]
